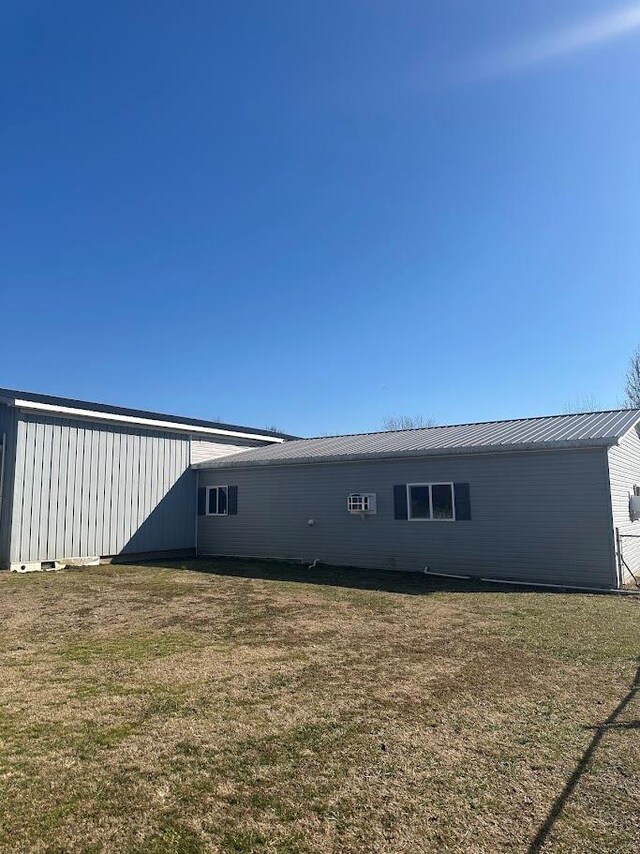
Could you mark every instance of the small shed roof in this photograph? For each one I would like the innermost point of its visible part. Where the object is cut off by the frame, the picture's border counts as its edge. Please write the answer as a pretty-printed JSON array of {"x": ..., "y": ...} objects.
[{"x": 552, "y": 432}]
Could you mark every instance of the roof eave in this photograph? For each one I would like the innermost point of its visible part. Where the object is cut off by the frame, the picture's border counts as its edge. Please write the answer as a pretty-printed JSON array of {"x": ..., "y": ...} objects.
[{"x": 135, "y": 420}]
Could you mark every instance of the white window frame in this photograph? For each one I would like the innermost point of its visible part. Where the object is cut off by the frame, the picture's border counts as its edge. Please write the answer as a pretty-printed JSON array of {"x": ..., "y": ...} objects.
[
  {"x": 364, "y": 499},
  {"x": 226, "y": 489},
  {"x": 431, "y": 485}
]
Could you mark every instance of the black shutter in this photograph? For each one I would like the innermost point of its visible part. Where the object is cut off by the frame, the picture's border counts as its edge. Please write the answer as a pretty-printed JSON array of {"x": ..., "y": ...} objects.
[
  {"x": 400, "y": 502},
  {"x": 232, "y": 500},
  {"x": 202, "y": 501},
  {"x": 462, "y": 497}
]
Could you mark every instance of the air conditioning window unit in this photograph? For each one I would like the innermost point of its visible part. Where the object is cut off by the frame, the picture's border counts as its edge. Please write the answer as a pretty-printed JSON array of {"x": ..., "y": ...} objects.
[{"x": 362, "y": 502}]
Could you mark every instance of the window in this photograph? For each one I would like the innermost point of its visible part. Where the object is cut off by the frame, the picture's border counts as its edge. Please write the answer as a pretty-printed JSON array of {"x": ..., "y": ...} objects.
[
  {"x": 431, "y": 502},
  {"x": 217, "y": 500},
  {"x": 357, "y": 503}
]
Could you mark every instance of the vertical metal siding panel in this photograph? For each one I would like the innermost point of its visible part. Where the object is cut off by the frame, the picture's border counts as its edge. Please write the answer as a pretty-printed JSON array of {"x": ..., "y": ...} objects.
[
  {"x": 170, "y": 499},
  {"x": 103, "y": 522},
  {"x": 124, "y": 535},
  {"x": 83, "y": 527},
  {"x": 17, "y": 510},
  {"x": 145, "y": 494},
  {"x": 70, "y": 495},
  {"x": 39, "y": 487},
  {"x": 122, "y": 490},
  {"x": 134, "y": 476},
  {"x": 183, "y": 476},
  {"x": 61, "y": 509},
  {"x": 165, "y": 475},
  {"x": 105, "y": 543},
  {"x": 152, "y": 474},
  {"x": 115, "y": 481},
  {"x": 161, "y": 486},
  {"x": 164, "y": 472},
  {"x": 75, "y": 544},
  {"x": 155, "y": 470},
  {"x": 8, "y": 427},
  {"x": 119, "y": 469},
  {"x": 136, "y": 519},
  {"x": 139, "y": 487},
  {"x": 77, "y": 540},
  {"x": 90, "y": 477},
  {"x": 171, "y": 526},
  {"x": 131, "y": 520},
  {"x": 190, "y": 482},
  {"x": 27, "y": 494},
  {"x": 54, "y": 490},
  {"x": 125, "y": 462},
  {"x": 99, "y": 492},
  {"x": 40, "y": 535}
]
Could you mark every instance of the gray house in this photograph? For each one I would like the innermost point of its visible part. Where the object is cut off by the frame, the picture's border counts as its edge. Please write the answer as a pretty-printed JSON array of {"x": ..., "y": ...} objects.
[
  {"x": 80, "y": 481},
  {"x": 553, "y": 500}
]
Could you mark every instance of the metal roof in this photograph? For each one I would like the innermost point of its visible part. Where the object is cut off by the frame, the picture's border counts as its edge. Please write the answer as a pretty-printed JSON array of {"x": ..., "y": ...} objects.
[
  {"x": 11, "y": 396},
  {"x": 553, "y": 432}
]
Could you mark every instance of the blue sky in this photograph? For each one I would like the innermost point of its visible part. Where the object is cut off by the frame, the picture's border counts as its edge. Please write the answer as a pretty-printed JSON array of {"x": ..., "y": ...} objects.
[{"x": 314, "y": 215}]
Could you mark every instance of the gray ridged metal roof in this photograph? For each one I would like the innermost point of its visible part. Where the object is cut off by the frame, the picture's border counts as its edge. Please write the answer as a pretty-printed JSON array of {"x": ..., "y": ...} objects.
[{"x": 589, "y": 429}]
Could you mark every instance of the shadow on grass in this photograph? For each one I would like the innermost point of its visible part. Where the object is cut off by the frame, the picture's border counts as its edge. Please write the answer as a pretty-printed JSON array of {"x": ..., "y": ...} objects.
[
  {"x": 560, "y": 802},
  {"x": 354, "y": 578}
]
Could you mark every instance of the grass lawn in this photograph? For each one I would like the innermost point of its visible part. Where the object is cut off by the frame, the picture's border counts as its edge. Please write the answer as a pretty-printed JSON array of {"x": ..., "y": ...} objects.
[{"x": 226, "y": 706}]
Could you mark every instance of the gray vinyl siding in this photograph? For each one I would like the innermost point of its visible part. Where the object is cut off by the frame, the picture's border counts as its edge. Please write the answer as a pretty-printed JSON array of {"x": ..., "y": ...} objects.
[
  {"x": 624, "y": 473},
  {"x": 85, "y": 489},
  {"x": 8, "y": 429},
  {"x": 535, "y": 516}
]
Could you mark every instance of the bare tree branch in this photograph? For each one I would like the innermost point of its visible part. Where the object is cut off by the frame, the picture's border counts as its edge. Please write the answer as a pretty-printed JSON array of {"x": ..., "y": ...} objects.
[
  {"x": 632, "y": 381},
  {"x": 407, "y": 422},
  {"x": 582, "y": 403}
]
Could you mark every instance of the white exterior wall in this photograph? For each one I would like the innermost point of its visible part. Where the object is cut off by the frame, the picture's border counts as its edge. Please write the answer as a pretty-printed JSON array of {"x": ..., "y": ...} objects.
[
  {"x": 210, "y": 449},
  {"x": 624, "y": 473}
]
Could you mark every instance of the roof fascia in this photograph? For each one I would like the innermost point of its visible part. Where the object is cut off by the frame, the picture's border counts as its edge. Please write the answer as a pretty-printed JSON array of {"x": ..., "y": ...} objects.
[{"x": 155, "y": 423}]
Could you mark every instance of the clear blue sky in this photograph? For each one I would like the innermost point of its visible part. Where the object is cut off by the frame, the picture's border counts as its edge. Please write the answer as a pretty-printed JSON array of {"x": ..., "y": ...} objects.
[{"x": 316, "y": 214}]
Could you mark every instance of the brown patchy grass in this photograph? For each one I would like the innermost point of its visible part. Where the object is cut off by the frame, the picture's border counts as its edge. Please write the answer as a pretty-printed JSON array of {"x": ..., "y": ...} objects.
[{"x": 238, "y": 707}]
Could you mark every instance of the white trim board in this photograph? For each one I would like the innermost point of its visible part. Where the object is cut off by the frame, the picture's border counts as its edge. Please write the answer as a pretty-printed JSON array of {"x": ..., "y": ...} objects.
[{"x": 92, "y": 415}]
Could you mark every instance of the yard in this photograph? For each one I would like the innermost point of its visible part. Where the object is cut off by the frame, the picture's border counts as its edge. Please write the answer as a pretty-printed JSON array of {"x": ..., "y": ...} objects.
[{"x": 224, "y": 706}]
